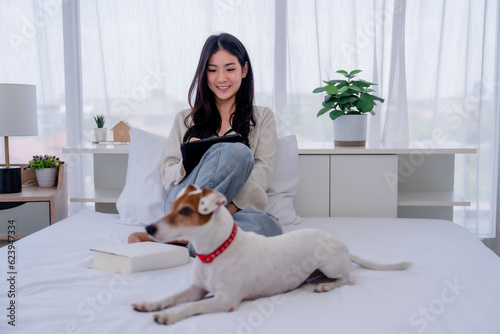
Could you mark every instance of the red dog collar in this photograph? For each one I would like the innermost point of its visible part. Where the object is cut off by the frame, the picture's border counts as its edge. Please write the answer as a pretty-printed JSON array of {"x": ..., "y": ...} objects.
[{"x": 207, "y": 258}]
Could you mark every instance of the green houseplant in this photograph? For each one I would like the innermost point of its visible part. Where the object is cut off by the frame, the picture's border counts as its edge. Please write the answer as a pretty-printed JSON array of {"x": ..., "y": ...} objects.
[
  {"x": 346, "y": 97},
  {"x": 46, "y": 168},
  {"x": 101, "y": 133},
  {"x": 99, "y": 120}
]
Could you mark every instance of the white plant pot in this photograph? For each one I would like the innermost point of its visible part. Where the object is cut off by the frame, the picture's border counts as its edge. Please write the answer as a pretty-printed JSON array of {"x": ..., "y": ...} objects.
[
  {"x": 350, "y": 130},
  {"x": 46, "y": 177},
  {"x": 101, "y": 134}
]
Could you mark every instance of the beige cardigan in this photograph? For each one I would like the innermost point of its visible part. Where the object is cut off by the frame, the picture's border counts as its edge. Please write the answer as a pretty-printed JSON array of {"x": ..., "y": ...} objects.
[{"x": 263, "y": 144}]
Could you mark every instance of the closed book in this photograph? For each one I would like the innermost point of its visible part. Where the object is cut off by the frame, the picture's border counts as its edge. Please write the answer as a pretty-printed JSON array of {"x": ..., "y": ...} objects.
[{"x": 140, "y": 256}]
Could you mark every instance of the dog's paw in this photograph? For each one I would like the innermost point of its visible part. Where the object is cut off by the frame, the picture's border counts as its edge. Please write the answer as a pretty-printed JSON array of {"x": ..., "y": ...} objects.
[
  {"x": 168, "y": 317},
  {"x": 162, "y": 319},
  {"x": 147, "y": 307},
  {"x": 328, "y": 286},
  {"x": 324, "y": 287}
]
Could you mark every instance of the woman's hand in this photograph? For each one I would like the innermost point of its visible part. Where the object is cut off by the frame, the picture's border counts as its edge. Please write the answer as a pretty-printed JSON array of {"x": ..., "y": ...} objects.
[{"x": 232, "y": 208}]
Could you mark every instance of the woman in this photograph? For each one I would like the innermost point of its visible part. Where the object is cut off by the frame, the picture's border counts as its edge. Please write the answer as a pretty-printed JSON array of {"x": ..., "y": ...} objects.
[{"x": 224, "y": 104}]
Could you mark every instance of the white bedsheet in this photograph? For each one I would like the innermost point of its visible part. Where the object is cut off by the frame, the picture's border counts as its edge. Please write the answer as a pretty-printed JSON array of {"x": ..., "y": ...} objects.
[{"x": 454, "y": 286}]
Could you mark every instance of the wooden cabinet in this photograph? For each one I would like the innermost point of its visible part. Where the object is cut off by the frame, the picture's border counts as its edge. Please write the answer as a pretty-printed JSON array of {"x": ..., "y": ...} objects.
[{"x": 34, "y": 207}]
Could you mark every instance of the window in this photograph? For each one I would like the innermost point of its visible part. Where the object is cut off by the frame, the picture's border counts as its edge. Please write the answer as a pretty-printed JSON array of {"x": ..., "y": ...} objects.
[{"x": 436, "y": 63}]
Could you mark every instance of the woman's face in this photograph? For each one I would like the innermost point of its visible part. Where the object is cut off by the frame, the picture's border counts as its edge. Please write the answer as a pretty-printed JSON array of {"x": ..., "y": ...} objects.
[{"x": 224, "y": 75}]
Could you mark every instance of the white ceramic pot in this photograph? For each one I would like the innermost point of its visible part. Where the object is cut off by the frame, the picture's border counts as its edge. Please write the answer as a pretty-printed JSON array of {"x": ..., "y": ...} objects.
[
  {"x": 101, "y": 134},
  {"x": 350, "y": 130},
  {"x": 46, "y": 177}
]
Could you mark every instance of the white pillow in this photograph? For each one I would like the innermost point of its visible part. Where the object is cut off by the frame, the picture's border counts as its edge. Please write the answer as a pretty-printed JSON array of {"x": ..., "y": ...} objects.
[
  {"x": 142, "y": 198},
  {"x": 285, "y": 182},
  {"x": 141, "y": 201}
]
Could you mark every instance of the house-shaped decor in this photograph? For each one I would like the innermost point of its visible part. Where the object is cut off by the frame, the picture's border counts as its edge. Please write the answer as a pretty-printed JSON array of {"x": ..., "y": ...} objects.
[{"x": 121, "y": 132}]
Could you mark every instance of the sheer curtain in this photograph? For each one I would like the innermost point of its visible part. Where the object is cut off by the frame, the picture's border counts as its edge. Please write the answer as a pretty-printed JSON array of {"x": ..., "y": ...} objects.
[
  {"x": 347, "y": 35},
  {"x": 31, "y": 52},
  {"x": 452, "y": 63},
  {"x": 435, "y": 63},
  {"x": 139, "y": 57}
]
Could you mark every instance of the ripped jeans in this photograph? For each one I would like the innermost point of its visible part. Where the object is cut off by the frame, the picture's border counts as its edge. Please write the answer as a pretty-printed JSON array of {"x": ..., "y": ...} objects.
[{"x": 225, "y": 167}]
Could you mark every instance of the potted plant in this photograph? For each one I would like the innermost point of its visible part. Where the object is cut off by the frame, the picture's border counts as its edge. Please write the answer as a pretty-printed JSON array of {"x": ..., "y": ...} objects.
[
  {"x": 101, "y": 133},
  {"x": 46, "y": 168},
  {"x": 348, "y": 101}
]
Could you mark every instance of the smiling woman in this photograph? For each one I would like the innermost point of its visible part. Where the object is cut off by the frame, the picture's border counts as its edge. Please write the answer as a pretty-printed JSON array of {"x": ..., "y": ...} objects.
[
  {"x": 224, "y": 79},
  {"x": 222, "y": 89},
  {"x": 223, "y": 104}
]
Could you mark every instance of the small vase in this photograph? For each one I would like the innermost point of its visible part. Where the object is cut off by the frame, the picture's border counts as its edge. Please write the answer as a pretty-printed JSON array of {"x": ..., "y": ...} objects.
[
  {"x": 350, "y": 130},
  {"x": 46, "y": 177},
  {"x": 101, "y": 134}
]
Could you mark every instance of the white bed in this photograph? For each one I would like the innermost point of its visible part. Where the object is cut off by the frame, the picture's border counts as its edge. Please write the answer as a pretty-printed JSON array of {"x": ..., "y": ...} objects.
[{"x": 454, "y": 286}]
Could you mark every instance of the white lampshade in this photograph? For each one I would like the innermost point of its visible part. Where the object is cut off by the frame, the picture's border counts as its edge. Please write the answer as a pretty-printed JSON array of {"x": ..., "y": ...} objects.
[{"x": 18, "y": 111}]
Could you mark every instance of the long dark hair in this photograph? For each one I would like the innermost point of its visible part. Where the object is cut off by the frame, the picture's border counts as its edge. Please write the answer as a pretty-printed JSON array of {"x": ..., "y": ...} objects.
[{"x": 205, "y": 115}]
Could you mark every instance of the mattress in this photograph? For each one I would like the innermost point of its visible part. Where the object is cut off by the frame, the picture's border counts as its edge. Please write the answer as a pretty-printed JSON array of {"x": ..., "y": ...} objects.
[{"x": 453, "y": 287}]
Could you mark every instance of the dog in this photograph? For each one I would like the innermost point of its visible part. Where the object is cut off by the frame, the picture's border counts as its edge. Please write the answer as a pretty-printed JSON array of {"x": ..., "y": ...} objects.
[{"x": 235, "y": 265}]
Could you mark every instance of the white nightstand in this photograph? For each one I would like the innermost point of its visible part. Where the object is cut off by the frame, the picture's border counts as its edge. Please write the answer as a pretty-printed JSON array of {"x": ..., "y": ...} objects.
[
  {"x": 406, "y": 181},
  {"x": 109, "y": 170}
]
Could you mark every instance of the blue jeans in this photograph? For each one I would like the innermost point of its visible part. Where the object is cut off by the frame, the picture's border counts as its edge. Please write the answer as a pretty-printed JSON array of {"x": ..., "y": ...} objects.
[{"x": 225, "y": 167}]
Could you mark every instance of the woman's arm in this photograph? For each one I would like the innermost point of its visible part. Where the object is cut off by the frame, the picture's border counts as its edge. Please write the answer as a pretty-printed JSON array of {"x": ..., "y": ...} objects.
[
  {"x": 264, "y": 143},
  {"x": 172, "y": 168}
]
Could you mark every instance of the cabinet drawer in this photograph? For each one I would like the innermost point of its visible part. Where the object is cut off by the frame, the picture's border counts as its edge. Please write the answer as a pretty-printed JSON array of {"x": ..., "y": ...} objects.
[
  {"x": 28, "y": 217},
  {"x": 313, "y": 195},
  {"x": 359, "y": 186}
]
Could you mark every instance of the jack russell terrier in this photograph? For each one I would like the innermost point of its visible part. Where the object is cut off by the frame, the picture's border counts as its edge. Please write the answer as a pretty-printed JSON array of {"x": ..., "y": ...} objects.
[{"x": 235, "y": 265}]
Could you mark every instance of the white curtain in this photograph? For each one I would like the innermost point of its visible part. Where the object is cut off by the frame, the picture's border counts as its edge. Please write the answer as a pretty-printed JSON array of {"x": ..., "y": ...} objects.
[
  {"x": 435, "y": 63},
  {"x": 139, "y": 57},
  {"x": 452, "y": 65},
  {"x": 31, "y": 52}
]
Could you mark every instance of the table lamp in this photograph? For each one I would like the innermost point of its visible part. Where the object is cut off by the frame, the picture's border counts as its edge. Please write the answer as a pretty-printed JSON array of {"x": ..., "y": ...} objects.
[{"x": 18, "y": 117}]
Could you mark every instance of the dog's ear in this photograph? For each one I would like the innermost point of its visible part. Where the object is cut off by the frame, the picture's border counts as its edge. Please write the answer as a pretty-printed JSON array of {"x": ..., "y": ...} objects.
[{"x": 210, "y": 200}]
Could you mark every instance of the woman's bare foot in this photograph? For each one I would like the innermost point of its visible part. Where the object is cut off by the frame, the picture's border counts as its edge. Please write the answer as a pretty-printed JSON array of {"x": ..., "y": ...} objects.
[
  {"x": 139, "y": 237},
  {"x": 143, "y": 236}
]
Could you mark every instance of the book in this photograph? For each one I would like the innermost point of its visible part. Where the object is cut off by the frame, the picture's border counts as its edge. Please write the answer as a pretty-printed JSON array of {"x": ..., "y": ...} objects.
[
  {"x": 193, "y": 151},
  {"x": 140, "y": 256}
]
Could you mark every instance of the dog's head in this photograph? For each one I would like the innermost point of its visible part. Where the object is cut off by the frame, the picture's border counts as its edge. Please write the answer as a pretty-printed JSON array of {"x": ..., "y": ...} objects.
[{"x": 193, "y": 208}]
